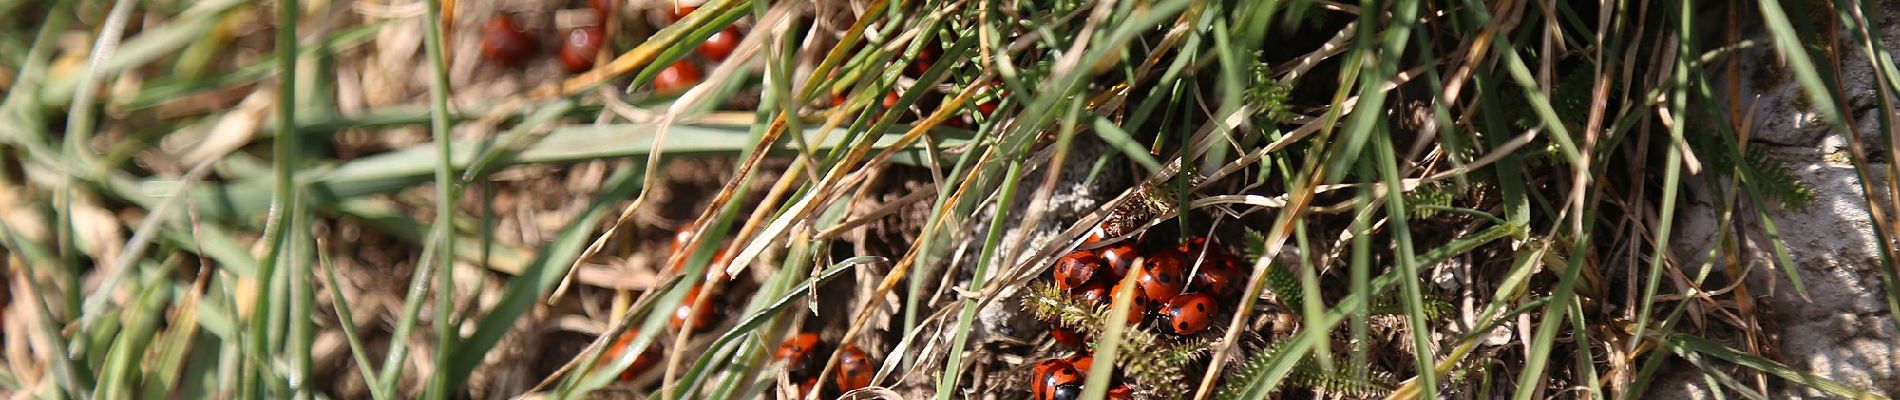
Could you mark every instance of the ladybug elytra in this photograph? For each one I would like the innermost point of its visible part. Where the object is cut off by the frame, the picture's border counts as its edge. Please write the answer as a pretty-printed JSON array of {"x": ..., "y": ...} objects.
[
  {"x": 854, "y": 369},
  {"x": 1190, "y": 313}
]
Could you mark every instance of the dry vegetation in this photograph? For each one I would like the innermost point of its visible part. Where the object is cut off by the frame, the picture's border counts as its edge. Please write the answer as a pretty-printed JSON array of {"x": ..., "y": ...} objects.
[{"x": 1409, "y": 199}]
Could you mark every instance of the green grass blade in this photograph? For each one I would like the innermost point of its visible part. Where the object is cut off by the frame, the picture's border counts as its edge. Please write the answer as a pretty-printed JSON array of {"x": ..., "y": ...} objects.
[
  {"x": 947, "y": 386},
  {"x": 346, "y": 321},
  {"x": 548, "y": 267},
  {"x": 446, "y": 195},
  {"x": 1683, "y": 344}
]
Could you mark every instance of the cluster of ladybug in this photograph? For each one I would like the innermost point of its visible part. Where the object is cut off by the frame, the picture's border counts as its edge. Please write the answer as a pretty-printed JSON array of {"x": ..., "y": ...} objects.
[
  {"x": 1165, "y": 292},
  {"x": 507, "y": 42},
  {"x": 686, "y": 316},
  {"x": 1184, "y": 304},
  {"x": 1061, "y": 378},
  {"x": 803, "y": 353}
]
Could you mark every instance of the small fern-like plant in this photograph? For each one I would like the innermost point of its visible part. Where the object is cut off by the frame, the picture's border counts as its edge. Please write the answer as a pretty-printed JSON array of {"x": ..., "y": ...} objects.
[{"x": 1239, "y": 384}]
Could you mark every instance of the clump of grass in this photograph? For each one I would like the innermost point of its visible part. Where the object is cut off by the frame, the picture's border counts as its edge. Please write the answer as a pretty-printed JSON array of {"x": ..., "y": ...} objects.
[{"x": 167, "y": 172}]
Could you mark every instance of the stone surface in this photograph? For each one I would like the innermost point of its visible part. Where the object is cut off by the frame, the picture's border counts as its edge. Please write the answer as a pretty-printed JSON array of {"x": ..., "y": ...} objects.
[
  {"x": 1073, "y": 196},
  {"x": 1843, "y": 331}
]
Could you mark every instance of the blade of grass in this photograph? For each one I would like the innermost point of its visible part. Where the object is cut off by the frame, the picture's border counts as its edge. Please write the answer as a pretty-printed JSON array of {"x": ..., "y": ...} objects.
[
  {"x": 1121, "y": 141},
  {"x": 1109, "y": 342},
  {"x": 126, "y": 353},
  {"x": 1672, "y": 174},
  {"x": 548, "y": 266},
  {"x": 446, "y": 195},
  {"x": 346, "y": 322},
  {"x": 164, "y": 373},
  {"x": 80, "y": 124},
  {"x": 952, "y": 370},
  {"x": 1424, "y": 350},
  {"x": 1683, "y": 344},
  {"x": 283, "y": 196},
  {"x": 758, "y": 318}
]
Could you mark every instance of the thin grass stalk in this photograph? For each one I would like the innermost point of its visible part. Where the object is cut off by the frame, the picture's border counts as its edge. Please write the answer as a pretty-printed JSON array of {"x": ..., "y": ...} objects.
[
  {"x": 301, "y": 329},
  {"x": 1423, "y": 351},
  {"x": 80, "y": 123},
  {"x": 1108, "y": 344},
  {"x": 445, "y": 196},
  {"x": 1672, "y": 172},
  {"x": 952, "y": 370},
  {"x": 283, "y": 199},
  {"x": 1554, "y": 311},
  {"x": 346, "y": 321},
  {"x": 406, "y": 320}
]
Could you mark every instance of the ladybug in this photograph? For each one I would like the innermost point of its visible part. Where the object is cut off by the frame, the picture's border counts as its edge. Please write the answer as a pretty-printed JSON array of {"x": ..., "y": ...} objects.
[
  {"x": 1192, "y": 247},
  {"x": 1137, "y": 306},
  {"x": 797, "y": 352},
  {"x": 720, "y": 45},
  {"x": 641, "y": 363},
  {"x": 1121, "y": 392},
  {"x": 989, "y": 107},
  {"x": 715, "y": 270},
  {"x": 854, "y": 369},
  {"x": 504, "y": 41},
  {"x": 1118, "y": 258},
  {"x": 1162, "y": 278},
  {"x": 925, "y": 57},
  {"x": 685, "y": 314},
  {"x": 1188, "y": 314},
  {"x": 1055, "y": 379},
  {"x": 676, "y": 78},
  {"x": 1076, "y": 269},
  {"x": 580, "y": 48},
  {"x": 1220, "y": 276},
  {"x": 890, "y": 99},
  {"x": 1066, "y": 336},
  {"x": 1081, "y": 361},
  {"x": 1096, "y": 294},
  {"x": 681, "y": 237},
  {"x": 680, "y": 10}
]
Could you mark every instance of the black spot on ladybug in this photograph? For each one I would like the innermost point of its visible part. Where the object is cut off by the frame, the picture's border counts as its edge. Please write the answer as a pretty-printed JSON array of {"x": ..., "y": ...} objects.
[
  {"x": 1165, "y": 278},
  {"x": 1182, "y": 326},
  {"x": 1202, "y": 307}
]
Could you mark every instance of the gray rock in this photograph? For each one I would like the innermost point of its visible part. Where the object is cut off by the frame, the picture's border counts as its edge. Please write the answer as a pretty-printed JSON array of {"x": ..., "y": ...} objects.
[{"x": 1843, "y": 331}]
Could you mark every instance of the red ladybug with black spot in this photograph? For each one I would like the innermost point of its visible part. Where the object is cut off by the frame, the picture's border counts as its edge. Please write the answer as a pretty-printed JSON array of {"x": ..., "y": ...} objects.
[
  {"x": 854, "y": 369},
  {"x": 1118, "y": 258},
  {"x": 697, "y": 317},
  {"x": 1137, "y": 306},
  {"x": 1191, "y": 313},
  {"x": 1221, "y": 277},
  {"x": 1081, "y": 361},
  {"x": 799, "y": 352},
  {"x": 641, "y": 363},
  {"x": 1067, "y": 337},
  {"x": 1055, "y": 379},
  {"x": 1094, "y": 294},
  {"x": 676, "y": 78},
  {"x": 1076, "y": 269},
  {"x": 1162, "y": 278}
]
